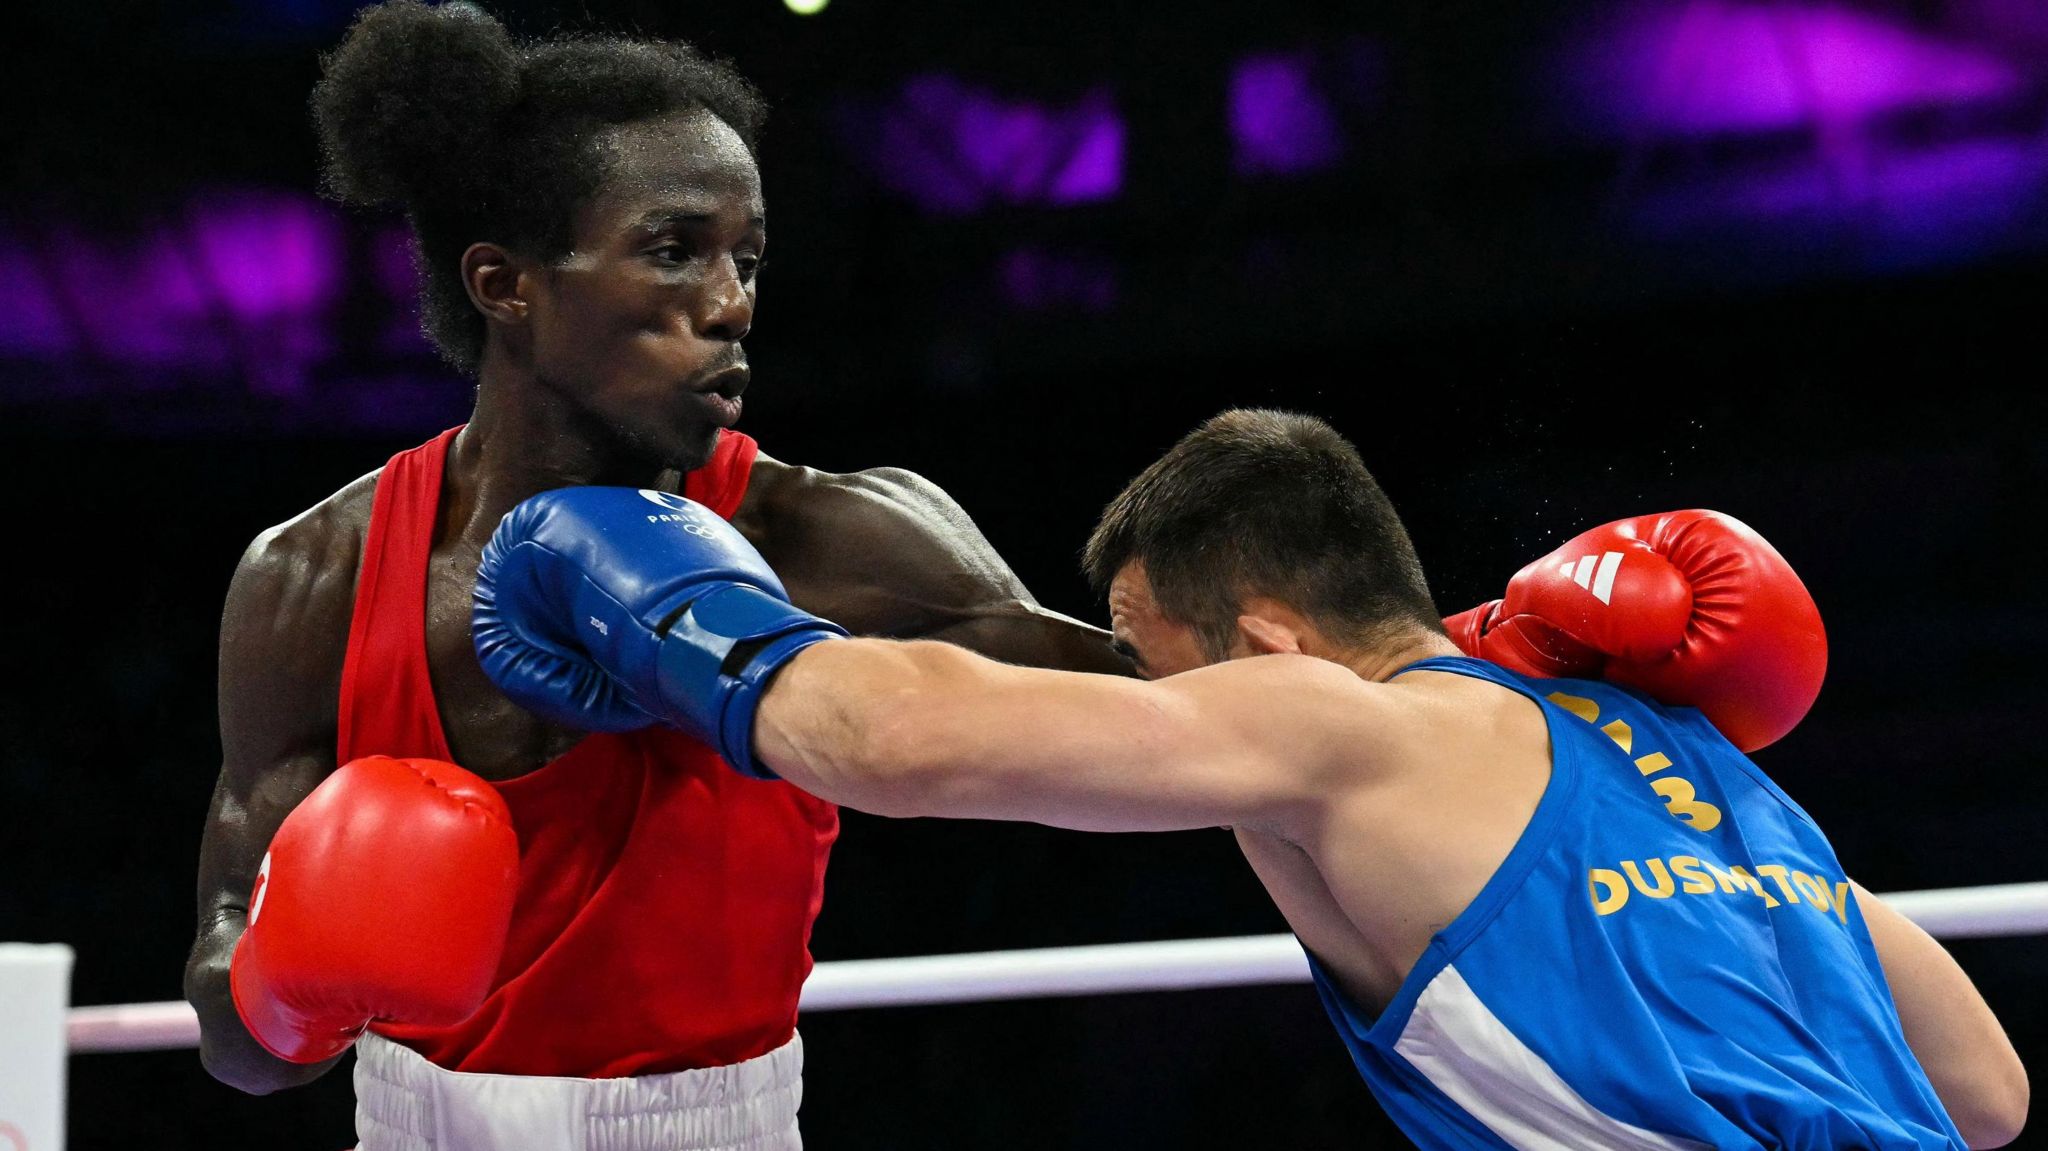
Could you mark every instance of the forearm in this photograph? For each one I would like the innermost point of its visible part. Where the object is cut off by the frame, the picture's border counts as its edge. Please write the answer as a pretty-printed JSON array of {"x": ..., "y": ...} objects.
[
  {"x": 835, "y": 722},
  {"x": 1952, "y": 1031},
  {"x": 226, "y": 1049},
  {"x": 927, "y": 729}
]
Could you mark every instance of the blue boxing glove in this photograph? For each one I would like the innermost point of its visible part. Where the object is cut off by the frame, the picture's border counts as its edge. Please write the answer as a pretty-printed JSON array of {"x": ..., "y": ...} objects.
[{"x": 609, "y": 608}]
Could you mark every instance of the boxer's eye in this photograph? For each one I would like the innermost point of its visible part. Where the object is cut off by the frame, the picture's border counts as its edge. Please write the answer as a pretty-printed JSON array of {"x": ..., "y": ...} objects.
[{"x": 1130, "y": 655}]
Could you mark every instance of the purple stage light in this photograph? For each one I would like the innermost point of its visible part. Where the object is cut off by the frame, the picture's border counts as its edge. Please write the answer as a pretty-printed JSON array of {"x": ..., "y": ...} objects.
[
  {"x": 1094, "y": 168},
  {"x": 266, "y": 255},
  {"x": 33, "y": 323},
  {"x": 221, "y": 312},
  {"x": 240, "y": 276},
  {"x": 1280, "y": 123},
  {"x": 1910, "y": 208},
  {"x": 1715, "y": 66},
  {"x": 1869, "y": 139},
  {"x": 274, "y": 262},
  {"x": 954, "y": 149},
  {"x": 140, "y": 301}
]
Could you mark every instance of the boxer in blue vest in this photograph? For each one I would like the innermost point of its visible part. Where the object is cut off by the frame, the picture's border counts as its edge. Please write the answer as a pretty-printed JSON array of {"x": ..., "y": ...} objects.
[{"x": 1541, "y": 912}]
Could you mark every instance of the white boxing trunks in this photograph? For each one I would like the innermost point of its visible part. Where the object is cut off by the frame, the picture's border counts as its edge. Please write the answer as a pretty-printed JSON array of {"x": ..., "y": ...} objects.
[{"x": 405, "y": 1103}]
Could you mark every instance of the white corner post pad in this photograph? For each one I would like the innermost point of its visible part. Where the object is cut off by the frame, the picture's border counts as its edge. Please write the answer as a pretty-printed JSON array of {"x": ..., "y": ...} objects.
[{"x": 35, "y": 998}]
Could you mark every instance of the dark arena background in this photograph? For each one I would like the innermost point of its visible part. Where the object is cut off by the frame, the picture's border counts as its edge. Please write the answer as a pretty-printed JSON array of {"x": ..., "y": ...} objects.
[{"x": 1547, "y": 264}]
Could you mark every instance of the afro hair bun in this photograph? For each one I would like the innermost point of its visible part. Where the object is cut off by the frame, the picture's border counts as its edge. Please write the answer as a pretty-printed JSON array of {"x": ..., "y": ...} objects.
[{"x": 405, "y": 105}]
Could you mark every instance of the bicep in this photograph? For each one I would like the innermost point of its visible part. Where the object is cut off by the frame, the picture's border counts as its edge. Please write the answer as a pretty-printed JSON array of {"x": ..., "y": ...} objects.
[{"x": 283, "y": 635}]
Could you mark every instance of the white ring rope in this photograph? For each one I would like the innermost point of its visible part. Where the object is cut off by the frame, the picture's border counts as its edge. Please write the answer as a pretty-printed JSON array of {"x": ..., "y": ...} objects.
[{"x": 2005, "y": 909}]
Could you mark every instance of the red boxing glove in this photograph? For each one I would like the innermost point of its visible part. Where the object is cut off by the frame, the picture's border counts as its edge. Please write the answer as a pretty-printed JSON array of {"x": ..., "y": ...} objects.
[
  {"x": 1692, "y": 608},
  {"x": 386, "y": 894}
]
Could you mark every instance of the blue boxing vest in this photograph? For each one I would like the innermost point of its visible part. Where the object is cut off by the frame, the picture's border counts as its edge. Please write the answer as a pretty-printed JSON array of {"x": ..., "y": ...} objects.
[{"x": 1669, "y": 958}]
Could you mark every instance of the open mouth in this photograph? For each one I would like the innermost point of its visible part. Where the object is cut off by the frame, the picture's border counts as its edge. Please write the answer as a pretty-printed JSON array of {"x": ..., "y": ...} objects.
[
  {"x": 726, "y": 383},
  {"x": 721, "y": 409}
]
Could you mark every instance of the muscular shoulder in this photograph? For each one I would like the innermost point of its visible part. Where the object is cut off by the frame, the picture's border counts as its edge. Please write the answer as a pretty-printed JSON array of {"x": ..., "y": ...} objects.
[
  {"x": 310, "y": 559},
  {"x": 792, "y": 502},
  {"x": 285, "y": 625},
  {"x": 884, "y": 546}
]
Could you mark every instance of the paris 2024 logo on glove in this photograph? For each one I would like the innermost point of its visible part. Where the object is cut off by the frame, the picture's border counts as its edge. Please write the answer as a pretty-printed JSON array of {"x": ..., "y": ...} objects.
[{"x": 689, "y": 513}]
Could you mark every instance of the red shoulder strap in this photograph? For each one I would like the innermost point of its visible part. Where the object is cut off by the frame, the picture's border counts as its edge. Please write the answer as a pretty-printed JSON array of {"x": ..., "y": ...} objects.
[
  {"x": 722, "y": 483},
  {"x": 387, "y": 695}
]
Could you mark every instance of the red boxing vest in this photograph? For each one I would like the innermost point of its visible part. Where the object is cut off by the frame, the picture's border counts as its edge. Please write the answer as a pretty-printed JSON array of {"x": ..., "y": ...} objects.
[{"x": 665, "y": 902}]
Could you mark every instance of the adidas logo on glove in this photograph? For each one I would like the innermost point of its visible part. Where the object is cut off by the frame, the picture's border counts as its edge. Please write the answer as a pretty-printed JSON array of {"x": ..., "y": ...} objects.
[{"x": 1601, "y": 581}]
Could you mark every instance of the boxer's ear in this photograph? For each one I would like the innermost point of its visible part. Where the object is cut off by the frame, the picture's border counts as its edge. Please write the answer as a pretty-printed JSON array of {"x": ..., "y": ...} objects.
[
  {"x": 1268, "y": 632},
  {"x": 496, "y": 282}
]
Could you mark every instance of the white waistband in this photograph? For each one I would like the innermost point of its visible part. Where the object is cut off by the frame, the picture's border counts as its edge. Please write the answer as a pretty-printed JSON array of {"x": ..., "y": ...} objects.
[{"x": 405, "y": 1103}]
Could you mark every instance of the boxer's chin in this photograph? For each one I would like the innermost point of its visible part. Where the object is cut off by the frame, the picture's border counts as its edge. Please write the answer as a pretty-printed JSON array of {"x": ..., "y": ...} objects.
[
  {"x": 684, "y": 445},
  {"x": 699, "y": 443}
]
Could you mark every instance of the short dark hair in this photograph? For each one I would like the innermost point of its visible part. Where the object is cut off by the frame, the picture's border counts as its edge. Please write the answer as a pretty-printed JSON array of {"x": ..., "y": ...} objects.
[
  {"x": 476, "y": 136},
  {"x": 1264, "y": 503}
]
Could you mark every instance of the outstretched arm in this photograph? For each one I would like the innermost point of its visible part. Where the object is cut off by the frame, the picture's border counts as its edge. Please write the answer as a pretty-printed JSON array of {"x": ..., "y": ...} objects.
[
  {"x": 683, "y": 618},
  {"x": 926, "y": 729},
  {"x": 1950, "y": 1028},
  {"x": 885, "y": 552}
]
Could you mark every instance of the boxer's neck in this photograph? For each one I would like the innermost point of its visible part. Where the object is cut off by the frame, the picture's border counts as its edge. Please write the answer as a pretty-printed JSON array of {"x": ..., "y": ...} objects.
[
  {"x": 1381, "y": 662},
  {"x": 521, "y": 440}
]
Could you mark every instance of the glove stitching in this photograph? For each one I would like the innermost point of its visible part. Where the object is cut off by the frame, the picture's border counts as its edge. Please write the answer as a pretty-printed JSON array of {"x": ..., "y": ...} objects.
[{"x": 466, "y": 802}]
